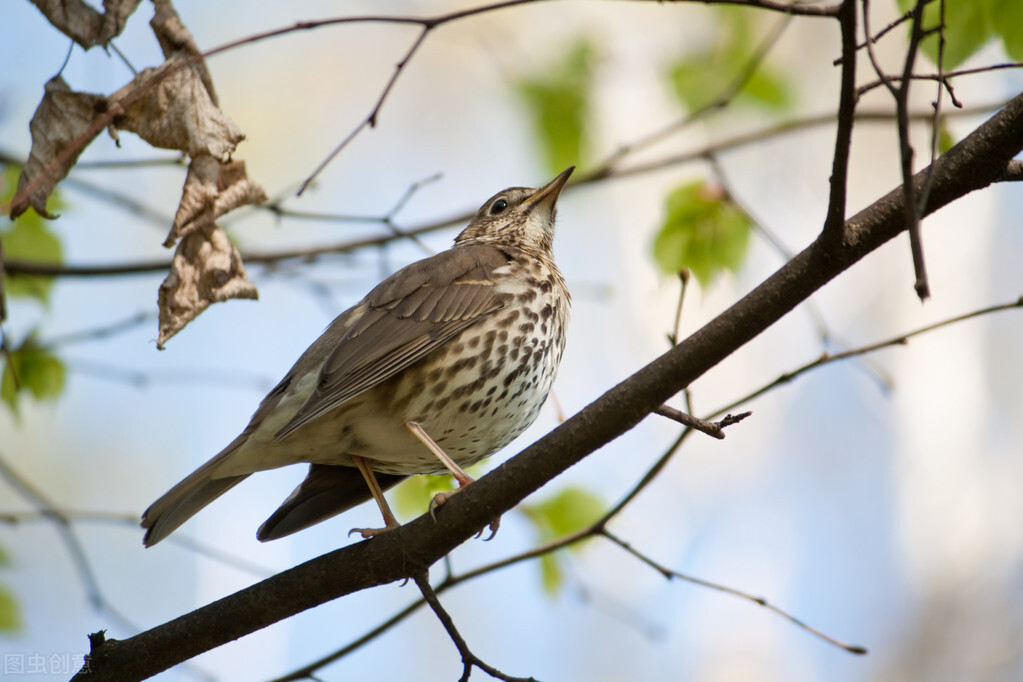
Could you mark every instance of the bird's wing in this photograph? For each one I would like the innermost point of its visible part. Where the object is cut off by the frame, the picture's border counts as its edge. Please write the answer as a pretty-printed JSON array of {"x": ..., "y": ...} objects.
[{"x": 406, "y": 317}]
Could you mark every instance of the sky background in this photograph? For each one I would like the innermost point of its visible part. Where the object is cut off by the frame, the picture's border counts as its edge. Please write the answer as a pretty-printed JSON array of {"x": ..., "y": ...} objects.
[{"x": 877, "y": 500}]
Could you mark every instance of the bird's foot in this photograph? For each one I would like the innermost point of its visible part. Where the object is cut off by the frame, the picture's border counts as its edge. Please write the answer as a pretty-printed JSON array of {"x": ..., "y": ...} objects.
[
  {"x": 442, "y": 497},
  {"x": 367, "y": 533}
]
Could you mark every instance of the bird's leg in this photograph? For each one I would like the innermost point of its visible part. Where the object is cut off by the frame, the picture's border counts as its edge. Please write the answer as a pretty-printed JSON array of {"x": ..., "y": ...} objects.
[
  {"x": 438, "y": 452},
  {"x": 390, "y": 523},
  {"x": 463, "y": 478}
]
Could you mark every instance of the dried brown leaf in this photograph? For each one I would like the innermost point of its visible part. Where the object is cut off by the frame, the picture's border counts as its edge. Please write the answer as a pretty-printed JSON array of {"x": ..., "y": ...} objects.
[
  {"x": 175, "y": 37},
  {"x": 61, "y": 118},
  {"x": 178, "y": 113},
  {"x": 83, "y": 24},
  {"x": 207, "y": 268},
  {"x": 212, "y": 189}
]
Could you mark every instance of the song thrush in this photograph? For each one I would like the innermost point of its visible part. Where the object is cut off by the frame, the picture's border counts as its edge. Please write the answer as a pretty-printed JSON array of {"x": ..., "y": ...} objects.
[{"x": 441, "y": 365}]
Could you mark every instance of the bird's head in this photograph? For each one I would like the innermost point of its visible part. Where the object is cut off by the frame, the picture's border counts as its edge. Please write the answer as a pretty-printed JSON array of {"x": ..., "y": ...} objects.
[{"x": 519, "y": 216}]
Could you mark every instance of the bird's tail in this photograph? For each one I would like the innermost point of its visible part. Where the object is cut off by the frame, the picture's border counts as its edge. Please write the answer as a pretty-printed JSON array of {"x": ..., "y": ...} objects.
[
  {"x": 184, "y": 500},
  {"x": 325, "y": 492}
]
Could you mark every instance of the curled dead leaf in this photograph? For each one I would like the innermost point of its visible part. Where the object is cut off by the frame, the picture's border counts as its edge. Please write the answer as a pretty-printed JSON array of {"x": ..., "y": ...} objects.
[
  {"x": 207, "y": 269},
  {"x": 83, "y": 24},
  {"x": 174, "y": 36},
  {"x": 212, "y": 189},
  {"x": 177, "y": 113},
  {"x": 57, "y": 125}
]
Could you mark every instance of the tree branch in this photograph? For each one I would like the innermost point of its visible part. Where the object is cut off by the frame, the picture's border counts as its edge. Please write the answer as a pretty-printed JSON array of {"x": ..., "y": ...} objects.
[
  {"x": 761, "y": 601},
  {"x": 976, "y": 162},
  {"x": 835, "y": 218},
  {"x": 469, "y": 659}
]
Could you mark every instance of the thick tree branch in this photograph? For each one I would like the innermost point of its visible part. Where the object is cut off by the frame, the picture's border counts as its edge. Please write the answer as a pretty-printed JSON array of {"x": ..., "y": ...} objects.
[{"x": 976, "y": 162}]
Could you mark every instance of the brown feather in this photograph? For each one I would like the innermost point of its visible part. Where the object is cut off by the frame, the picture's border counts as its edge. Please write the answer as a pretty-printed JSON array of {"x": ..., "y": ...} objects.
[{"x": 407, "y": 316}]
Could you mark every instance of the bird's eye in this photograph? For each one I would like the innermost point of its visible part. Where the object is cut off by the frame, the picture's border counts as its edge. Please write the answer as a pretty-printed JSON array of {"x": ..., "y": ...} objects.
[{"x": 498, "y": 206}]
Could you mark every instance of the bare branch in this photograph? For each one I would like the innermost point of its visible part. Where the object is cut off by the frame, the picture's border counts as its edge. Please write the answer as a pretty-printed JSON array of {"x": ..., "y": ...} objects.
[
  {"x": 727, "y": 94},
  {"x": 683, "y": 279},
  {"x": 714, "y": 429},
  {"x": 371, "y": 120},
  {"x": 102, "y": 332},
  {"x": 912, "y": 207},
  {"x": 76, "y": 516},
  {"x": 835, "y": 217},
  {"x": 70, "y": 540},
  {"x": 900, "y": 340},
  {"x": 760, "y": 601},
  {"x": 795, "y": 8},
  {"x": 469, "y": 659},
  {"x": 942, "y": 77}
]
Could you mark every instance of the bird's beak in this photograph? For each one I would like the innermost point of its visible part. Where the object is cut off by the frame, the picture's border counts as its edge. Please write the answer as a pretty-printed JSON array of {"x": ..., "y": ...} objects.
[{"x": 548, "y": 194}]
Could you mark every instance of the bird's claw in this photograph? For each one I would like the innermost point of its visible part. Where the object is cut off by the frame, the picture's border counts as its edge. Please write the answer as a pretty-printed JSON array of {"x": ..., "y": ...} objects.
[
  {"x": 368, "y": 533},
  {"x": 442, "y": 497},
  {"x": 495, "y": 523}
]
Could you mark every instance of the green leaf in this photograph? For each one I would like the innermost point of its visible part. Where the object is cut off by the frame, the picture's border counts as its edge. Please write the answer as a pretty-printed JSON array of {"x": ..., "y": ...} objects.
[
  {"x": 945, "y": 138},
  {"x": 566, "y": 512},
  {"x": 767, "y": 88},
  {"x": 10, "y": 616},
  {"x": 967, "y": 28},
  {"x": 570, "y": 510},
  {"x": 31, "y": 368},
  {"x": 551, "y": 575},
  {"x": 412, "y": 497},
  {"x": 1007, "y": 23},
  {"x": 695, "y": 82},
  {"x": 700, "y": 78},
  {"x": 29, "y": 238},
  {"x": 558, "y": 102},
  {"x": 703, "y": 230}
]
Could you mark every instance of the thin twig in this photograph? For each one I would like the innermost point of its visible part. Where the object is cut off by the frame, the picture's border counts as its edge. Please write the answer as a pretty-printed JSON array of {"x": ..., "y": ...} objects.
[
  {"x": 67, "y": 535},
  {"x": 307, "y": 671},
  {"x": 760, "y": 601},
  {"x": 469, "y": 659},
  {"x": 102, "y": 332},
  {"x": 911, "y": 206},
  {"x": 78, "y": 516},
  {"x": 371, "y": 120},
  {"x": 942, "y": 77},
  {"x": 220, "y": 377},
  {"x": 727, "y": 94},
  {"x": 834, "y": 221},
  {"x": 714, "y": 429},
  {"x": 683, "y": 279},
  {"x": 942, "y": 84},
  {"x": 911, "y": 209},
  {"x": 828, "y": 358},
  {"x": 880, "y": 34}
]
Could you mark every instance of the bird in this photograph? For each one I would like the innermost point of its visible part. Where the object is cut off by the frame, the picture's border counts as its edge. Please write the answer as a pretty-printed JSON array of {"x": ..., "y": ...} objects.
[{"x": 440, "y": 366}]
